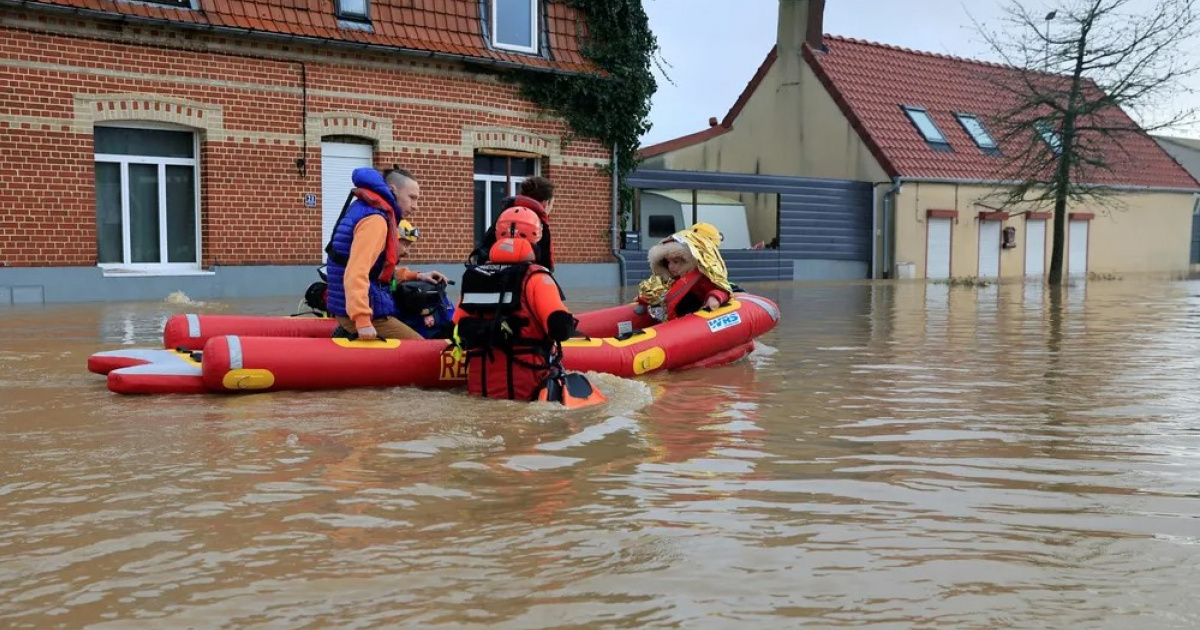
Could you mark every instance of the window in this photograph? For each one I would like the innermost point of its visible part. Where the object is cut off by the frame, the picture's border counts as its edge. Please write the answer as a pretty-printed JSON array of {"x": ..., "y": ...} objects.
[
  {"x": 660, "y": 226},
  {"x": 181, "y": 4},
  {"x": 1048, "y": 133},
  {"x": 354, "y": 10},
  {"x": 924, "y": 123},
  {"x": 515, "y": 25},
  {"x": 497, "y": 177},
  {"x": 977, "y": 131},
  {"x": 147, "y": 187}
]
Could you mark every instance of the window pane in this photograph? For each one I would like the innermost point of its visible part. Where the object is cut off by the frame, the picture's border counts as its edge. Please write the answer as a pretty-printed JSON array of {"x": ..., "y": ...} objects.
[
  {"x": 151, "y": 142},
  {"x": 925, "y": 125},
  {"x": 514, "y": 22},
  {"x": 481, "y": 225},
  {"x": 522, "y": 167},
  {"x": 352, "y": 7},
  {"x": 108, "y": 213},
  {"x": 143, "y": 213},
  {"x": 499, "y": 192},
  {"x": 181, "y": 214},
  {"x": 977, "y": 131}
]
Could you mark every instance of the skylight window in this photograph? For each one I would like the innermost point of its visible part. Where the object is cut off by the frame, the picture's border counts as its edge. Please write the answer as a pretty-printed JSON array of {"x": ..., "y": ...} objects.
[
  {"x": 924, "y": 123},
  {"x": 355, "y": 10},
  {"x": 515, "y": 25},
  {"x": 976, "y": 130},
  {"x": 1050, "y": 135}
]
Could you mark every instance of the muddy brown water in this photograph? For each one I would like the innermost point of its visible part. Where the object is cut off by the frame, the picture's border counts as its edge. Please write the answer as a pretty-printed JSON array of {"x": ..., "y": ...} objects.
[{"x": 898, "y": 455}]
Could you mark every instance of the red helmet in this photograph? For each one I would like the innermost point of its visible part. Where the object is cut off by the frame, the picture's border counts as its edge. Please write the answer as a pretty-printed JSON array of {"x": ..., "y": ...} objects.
[{"x": 519, "y": 222}]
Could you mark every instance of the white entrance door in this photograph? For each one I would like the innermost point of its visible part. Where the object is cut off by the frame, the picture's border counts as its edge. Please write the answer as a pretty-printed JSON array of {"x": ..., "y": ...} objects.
[
  {"x": 1035, "y": 247},
  {"x": 338, "y": 161},
  {"x": 937, "y": 249},
  {"x": 989, "y": 249},
  {"x": 1077, "y": 248}
]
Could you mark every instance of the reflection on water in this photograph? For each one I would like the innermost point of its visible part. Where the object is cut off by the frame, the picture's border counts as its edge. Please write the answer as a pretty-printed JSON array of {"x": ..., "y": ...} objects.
[{"x": 897, "y": 456}]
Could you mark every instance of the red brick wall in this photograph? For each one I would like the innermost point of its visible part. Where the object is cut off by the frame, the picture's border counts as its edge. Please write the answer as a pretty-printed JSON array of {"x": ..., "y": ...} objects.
[{"x": 252, "y": 197}]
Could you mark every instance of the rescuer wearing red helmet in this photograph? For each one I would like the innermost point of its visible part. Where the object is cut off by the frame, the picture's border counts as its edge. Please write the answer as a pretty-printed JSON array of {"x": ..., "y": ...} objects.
[{"x": 511, "y": 320}]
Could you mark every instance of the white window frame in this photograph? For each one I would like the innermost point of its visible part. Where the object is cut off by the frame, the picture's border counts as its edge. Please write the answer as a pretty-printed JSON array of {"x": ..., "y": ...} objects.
[
  {"x": 163, "y": 268},
  {"x": 488, "y": 180},
  {"x": 513, "y": 187},
  {"x": 533, "y": 30}
]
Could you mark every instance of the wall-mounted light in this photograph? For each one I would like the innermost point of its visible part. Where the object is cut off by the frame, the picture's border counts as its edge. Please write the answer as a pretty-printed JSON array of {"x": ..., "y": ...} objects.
[{"x": 301, "y": 166}]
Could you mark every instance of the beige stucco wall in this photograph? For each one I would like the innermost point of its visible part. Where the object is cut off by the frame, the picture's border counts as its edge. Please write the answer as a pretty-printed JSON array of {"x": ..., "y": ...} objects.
[
  {"x": 791, "y": 128},
  {"x": 1141, "y": 232},
  {"x": 795, "y": 130}
]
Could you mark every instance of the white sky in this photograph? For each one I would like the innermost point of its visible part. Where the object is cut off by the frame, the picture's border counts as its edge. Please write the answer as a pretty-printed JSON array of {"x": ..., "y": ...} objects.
[{"x": 711, "y": 48}]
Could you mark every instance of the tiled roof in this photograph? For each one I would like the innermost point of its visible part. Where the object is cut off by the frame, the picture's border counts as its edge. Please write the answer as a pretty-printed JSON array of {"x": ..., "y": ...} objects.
[
  {"x": 443, "y": 27},
  {"x": 871, "y": 82}
]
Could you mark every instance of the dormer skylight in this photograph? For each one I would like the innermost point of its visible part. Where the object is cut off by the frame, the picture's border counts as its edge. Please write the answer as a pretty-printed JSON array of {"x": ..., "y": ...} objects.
[{"x": 928, "y": 129}]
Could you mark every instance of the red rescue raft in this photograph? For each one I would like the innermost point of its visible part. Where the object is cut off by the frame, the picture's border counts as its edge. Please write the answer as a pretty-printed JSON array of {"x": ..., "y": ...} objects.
[
  {"x": 621, "y": 343},
  {"x": 190, "y": 331}
]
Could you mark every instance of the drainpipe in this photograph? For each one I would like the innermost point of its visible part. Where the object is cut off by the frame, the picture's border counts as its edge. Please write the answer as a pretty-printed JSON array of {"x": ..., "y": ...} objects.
[
  {"x": 616, "y": 205},
  {"x": 874, "y": 230},
  {"x": 889, "y": 204}
]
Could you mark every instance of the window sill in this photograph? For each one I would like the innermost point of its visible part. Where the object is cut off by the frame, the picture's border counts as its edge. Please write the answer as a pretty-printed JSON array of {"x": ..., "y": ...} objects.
[{"x": 152, "y": 273}]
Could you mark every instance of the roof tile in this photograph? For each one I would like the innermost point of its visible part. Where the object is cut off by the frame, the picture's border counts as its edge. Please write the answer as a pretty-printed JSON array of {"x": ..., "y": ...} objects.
[
  {"x": 439, "y": 26},
  {"x": 872, "y": 82}
]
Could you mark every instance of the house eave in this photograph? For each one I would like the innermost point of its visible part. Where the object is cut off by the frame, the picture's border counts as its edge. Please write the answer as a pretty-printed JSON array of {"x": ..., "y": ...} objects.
[{"x": 44, "y": 8}]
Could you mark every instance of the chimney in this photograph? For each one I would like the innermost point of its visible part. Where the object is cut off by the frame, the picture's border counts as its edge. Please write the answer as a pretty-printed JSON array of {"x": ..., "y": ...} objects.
[{"x": 800, "y": 21}]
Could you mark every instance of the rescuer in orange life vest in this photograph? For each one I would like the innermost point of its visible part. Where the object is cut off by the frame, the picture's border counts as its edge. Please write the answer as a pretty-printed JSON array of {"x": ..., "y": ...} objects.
[{"x": 511, "y": 320}]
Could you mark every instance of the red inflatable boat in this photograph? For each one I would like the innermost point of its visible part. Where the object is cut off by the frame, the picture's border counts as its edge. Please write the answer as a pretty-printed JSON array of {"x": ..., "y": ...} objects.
[{"x": 620, "y": 342}]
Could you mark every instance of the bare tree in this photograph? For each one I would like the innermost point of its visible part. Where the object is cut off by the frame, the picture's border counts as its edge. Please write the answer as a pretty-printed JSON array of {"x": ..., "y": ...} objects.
[{"x": 1075, "y": 75}]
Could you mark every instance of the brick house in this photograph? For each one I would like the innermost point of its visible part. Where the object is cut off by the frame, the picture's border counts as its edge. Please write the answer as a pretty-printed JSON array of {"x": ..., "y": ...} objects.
[{"x": 205, "y": 145}]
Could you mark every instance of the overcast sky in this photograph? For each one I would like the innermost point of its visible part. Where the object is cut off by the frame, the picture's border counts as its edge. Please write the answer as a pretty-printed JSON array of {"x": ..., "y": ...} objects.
[{"x": 711, "y": 48}]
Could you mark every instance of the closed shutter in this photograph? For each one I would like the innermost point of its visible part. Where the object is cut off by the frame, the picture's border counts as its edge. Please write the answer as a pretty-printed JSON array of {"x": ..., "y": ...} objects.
[
  {"x": 1035, "y": 247},
  {"x": 989, "y": 249},
  {"x": 1077, "y": 250},
  {"x": 338, "y": 161},
  {"x": 937, "y": 249}
]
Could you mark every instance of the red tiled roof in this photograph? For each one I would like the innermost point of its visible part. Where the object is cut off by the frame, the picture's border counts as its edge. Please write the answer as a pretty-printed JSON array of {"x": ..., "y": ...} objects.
[
  {"x": 871, "y": 82},
  {"x": 446, "y": 27}
]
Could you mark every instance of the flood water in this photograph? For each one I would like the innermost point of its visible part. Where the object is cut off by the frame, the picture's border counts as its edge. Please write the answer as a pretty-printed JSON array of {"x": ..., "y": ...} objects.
[{"x": 897, "y": 456}]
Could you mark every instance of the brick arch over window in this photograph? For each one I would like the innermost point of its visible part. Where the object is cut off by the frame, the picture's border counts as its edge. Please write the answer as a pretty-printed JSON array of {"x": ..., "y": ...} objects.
[
  {"x": 352, "y": 124},
  {"x": 91, "y": 109},
  {"x": 475, "y": 138}
]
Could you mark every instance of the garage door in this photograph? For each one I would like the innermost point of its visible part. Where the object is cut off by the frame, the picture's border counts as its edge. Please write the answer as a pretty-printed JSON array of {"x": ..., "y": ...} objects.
[
  {"x": 937, "y": 249},
  {"x": 1035, "y": 248},
  {"x": 989, "y": 249},
  {"x": 1077, "y": 248},
  {"x": 338, "y": 161}
]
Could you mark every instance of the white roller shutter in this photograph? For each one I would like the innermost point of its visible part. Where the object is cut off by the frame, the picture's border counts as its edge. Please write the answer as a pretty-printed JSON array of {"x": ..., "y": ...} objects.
[
  {"x": 937, "y": 249},
  {"x": 1077, "y": 248},
  {"x": 338, "y": 161},
  {"x": 989, "y": 249},
  {"x": 1035, "y": 247}
]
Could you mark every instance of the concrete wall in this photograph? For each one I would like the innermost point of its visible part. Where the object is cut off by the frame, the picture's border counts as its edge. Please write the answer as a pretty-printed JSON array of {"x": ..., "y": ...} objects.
[
  {"x": 1144, "y": 232},
  {"x": 47, "y": 285}
]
